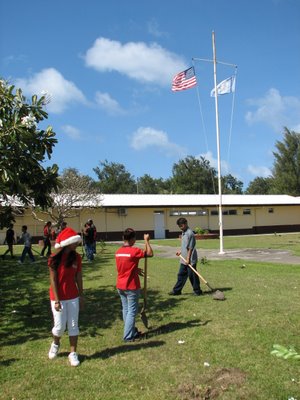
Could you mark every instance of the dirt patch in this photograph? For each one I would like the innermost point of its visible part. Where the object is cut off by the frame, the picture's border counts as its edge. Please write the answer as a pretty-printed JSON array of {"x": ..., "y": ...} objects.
[{"x": 214, "y": 387}]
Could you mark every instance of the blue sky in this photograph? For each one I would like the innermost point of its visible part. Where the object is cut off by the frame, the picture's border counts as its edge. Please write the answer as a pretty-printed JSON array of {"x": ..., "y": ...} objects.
[{"x": 108, "y": 66}]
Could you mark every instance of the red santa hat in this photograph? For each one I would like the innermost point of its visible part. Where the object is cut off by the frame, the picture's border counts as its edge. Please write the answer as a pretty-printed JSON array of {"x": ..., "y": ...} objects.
[{"x": 66, "y": 237}]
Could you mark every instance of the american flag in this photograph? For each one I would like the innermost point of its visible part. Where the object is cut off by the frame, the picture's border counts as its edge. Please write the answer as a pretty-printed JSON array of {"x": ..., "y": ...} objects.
[{"x": 184, "y": 80}]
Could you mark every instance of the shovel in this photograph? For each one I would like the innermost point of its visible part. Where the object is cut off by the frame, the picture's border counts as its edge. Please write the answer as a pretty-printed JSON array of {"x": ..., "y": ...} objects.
[
  {"x": 218, "y": 295},
  {"x": 143, "y": 312}
]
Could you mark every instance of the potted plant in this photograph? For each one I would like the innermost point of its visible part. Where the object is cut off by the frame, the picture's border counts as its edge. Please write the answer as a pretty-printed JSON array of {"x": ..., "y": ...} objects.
[{"x": 201, "y": 233}]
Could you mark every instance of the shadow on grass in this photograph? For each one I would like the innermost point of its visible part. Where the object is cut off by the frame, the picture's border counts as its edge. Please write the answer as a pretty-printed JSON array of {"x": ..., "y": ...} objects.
[
  {"x": 174, "y": 326},
  {"x": 25, "y": 313},
  {"x": 100, "y": 311},
  {"x": 24, "y": 306},
  {"x": 141, "y": 344},
  {"x": 7, "y": 363},
  {"x": 128, "y": 347},
  {"x": 103, "y": 307},
  {"x": 221, "y": 289}
]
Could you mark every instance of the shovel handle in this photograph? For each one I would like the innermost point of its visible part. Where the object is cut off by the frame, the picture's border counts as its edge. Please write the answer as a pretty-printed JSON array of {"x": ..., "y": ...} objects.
[
  {"x": 196, "y": 272},
  {"x": 145, "y": 283}
]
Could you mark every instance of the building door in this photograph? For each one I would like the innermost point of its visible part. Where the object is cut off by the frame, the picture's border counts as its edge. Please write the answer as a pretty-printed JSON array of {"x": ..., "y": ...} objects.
[{"x": 159, "y": 225}]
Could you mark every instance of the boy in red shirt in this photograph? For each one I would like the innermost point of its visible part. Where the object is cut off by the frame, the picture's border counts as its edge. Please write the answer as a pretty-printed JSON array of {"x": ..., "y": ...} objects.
[{"x": 128, "y": 282}]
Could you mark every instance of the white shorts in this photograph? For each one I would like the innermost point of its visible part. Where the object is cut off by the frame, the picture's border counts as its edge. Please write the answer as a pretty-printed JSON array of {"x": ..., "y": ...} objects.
[{"x": 66, "y": 317}]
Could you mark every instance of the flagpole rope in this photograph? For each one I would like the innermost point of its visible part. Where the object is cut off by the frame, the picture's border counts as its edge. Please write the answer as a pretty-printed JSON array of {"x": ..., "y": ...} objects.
[
  {"x": 203, "y": 124},
  {"x": 231, "y": 118}
]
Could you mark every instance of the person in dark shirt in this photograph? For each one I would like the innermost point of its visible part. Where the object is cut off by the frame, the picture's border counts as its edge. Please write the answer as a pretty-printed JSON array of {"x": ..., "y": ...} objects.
[
  {"x": 92, "y": 225},
  {"x": 47, "y": 239},
  {"x": 88, "y": 238},
  {"x": 10, "y": 241}
]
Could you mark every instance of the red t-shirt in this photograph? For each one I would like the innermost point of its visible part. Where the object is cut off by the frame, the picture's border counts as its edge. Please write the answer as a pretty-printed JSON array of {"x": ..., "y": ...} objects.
[
  {"x": 67, "y": 288},
  {"x": 127, "y": 261},
  {"x": 47, "y": 231}
]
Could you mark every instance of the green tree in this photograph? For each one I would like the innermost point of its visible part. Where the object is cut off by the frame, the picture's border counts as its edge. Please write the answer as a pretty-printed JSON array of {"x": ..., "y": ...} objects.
[
  {"x": 230, "y": 185},
  {"x": 148, "y": 185},
  {"x": 286, "y": 169},
  {"x": 23, "y": 149},
  {"x": 260, "y": 185},
  {"x": 193, "y": 176},
  {"x": 114, "y": 178}
]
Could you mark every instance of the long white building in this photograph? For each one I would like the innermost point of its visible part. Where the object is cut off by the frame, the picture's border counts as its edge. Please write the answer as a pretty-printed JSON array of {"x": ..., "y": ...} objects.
[{"x": 157, "y": 215}]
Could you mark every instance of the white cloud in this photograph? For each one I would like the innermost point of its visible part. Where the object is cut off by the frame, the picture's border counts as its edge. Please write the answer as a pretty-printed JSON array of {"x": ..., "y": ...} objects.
[
  {"x": 62, "y": 92},
  {"x": 108, "y": 104},
  {"x": 146, "y": 137},
  {"x": 275, "y": 110},
  {"x": 264, "y": 172},
  {"x": 72, "y": 132},
  {"x": 137, "y": 60}
]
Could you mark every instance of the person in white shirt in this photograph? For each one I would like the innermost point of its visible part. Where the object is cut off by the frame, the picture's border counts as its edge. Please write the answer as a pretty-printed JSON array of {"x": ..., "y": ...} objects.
[{"x": 26, "y": 239}]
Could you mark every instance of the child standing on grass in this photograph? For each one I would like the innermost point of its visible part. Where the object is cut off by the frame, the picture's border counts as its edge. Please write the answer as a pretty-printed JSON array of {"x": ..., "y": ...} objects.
[
  {"x": 26, "y": 239},
  {"x": 47, "y": 239},
  {"x": 128, "y": 282},
  {"x": 66, "y": 291},
  {"x": 10, "y": 241}
]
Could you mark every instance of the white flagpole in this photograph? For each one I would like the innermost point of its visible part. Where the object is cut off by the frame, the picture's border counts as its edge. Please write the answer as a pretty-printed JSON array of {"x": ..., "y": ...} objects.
[{"x": 218, "y": 146}]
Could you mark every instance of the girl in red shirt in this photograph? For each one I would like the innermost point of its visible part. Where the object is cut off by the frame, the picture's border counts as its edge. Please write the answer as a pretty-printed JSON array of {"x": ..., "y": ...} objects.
[{"x": 65, "y": 292}]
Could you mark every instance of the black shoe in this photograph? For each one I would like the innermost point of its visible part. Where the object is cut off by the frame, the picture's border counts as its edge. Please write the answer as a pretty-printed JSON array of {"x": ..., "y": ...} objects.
[
  {"x": 174, "y": 293},
  {"x": 198, "y": 293},
  {"x": 137, "y": 336}
]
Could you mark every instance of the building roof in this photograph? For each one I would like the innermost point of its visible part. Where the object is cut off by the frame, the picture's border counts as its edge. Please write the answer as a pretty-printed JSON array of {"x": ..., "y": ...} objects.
[
  {"x": 178, "y": 200},
  {"x": 197, "y": 200}
]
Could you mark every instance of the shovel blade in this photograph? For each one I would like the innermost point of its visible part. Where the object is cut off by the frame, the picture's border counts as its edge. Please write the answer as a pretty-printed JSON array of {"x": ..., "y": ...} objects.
[
  {"x": 218, "y": 295},
  {"x": 144, "y": 318}
]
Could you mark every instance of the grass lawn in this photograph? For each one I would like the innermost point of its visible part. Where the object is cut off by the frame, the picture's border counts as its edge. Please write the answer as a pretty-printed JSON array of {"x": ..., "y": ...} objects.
[{"x": 195, "y": 347}]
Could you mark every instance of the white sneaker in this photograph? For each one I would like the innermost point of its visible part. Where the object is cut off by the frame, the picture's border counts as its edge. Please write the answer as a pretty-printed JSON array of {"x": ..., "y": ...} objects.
[
  {"x": 73, "y": 358},
  {"x": 53, "y": 350}
]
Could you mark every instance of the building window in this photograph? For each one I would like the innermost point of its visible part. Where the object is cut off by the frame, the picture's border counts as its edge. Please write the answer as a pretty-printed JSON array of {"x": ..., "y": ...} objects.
[
  {"x": 247, "y": 211},
  {"x": 191, "y": 213},
  {"x": 202, "y": 212},
  {"x": 271, "y": 210},
  {"x": 224, "y": 212},
  {"x": 229, "y": 212}
]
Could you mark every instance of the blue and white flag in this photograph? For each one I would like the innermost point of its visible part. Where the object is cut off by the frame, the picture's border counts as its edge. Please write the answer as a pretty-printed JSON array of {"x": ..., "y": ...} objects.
[{"x": 225, "y": 87}]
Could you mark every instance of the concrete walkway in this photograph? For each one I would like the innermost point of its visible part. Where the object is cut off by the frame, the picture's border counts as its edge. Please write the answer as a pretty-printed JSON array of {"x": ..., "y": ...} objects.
[{"x": 265, "y": 255}]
